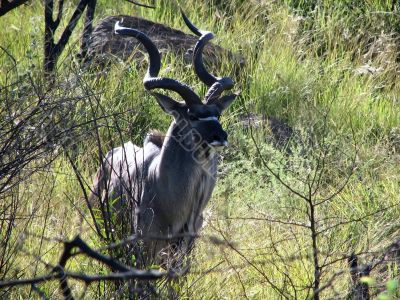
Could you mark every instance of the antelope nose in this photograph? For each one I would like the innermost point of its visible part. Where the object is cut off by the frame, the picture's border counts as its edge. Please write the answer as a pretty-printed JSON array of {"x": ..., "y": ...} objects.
[{"x": 220, "y": 140}]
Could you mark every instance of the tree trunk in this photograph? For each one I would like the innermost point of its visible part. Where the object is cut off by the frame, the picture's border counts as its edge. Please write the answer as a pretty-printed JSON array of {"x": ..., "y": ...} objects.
[
  {"x": 6, "y": 6},
  {"x": 53, "y": 50},
  {"x": 88, "y": 28},
  {"x": 49, "y": 57}
]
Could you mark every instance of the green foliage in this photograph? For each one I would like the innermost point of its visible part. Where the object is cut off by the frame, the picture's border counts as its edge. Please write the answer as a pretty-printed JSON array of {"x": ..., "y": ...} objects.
[{"x": 391, "y": 288}]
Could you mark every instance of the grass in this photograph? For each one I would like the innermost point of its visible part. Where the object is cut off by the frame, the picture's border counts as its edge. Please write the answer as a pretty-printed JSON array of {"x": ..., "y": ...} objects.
[{"x": 304, "y": 65}]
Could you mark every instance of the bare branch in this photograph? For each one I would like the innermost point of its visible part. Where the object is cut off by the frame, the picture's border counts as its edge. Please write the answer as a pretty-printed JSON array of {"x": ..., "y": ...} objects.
[
  {"x": 140, "y": 4},
  {"x": 131, "y": 274},
  {"x": 6, "y": 6},
  {"x": 59, "y": 273},
  {"x": 70, "y": 27}
]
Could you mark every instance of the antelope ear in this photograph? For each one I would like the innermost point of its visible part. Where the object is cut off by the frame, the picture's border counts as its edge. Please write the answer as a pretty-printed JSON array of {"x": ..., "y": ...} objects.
[
  {"x": 169, "y": 105},
  {"x": 224, "y": 102}
]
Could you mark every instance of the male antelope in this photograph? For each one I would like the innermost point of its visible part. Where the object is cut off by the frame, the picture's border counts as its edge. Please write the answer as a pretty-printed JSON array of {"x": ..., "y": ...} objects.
[{"x": 170, "y": 179}]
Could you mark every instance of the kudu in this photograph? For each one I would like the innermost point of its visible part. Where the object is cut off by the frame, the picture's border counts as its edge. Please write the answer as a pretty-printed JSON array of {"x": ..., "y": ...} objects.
[{"x": 170, "y": 179}]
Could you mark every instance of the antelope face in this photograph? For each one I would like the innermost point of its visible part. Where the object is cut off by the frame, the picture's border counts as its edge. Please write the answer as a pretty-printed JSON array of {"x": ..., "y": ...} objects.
[
  {"x": 204, "y": 121},
  {"x": 199, "y": 120}
]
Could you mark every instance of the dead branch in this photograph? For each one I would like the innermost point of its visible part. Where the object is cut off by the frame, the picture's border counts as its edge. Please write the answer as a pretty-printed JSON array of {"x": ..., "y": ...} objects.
[
  {"x": 121, "y": 271},
  {"x": 6, "y": 6},
  {"x": 141, "y": 4}
]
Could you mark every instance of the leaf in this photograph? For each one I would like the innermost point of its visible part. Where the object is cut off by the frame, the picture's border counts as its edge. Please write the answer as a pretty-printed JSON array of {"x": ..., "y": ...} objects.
[
  {"x": 383, "y": 296},
  {"x": 368, "y": 280},
  {"x": 392, "y": 286}
]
